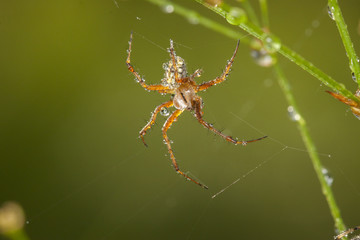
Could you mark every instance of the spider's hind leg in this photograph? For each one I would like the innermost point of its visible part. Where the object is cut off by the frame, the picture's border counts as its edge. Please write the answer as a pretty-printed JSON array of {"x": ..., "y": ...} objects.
[
  {"x": 199, "y": 115},
  {"x": 166, "y": 126}
]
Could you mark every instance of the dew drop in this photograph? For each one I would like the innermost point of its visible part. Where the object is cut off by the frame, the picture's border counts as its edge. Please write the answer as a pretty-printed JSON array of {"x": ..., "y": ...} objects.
[
  {"x": 260, "y": 54},
  {"x": 236, "y": 16},
  {"x": 353, "y": 76},
  {"x": 168, "y": 8},
  {"x": 214, "y": 3},
  {"x": 329, "y": 180},
  {"x": 165, "y": 111},
  {"x": 294, "y": 116},
  {"x": 271, "y": 43},
  {"x": 331, "y": 12}
]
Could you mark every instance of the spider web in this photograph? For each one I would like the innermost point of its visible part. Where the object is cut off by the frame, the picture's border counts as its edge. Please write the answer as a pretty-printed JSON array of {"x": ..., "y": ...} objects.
[{"x": 154, "y": 197}]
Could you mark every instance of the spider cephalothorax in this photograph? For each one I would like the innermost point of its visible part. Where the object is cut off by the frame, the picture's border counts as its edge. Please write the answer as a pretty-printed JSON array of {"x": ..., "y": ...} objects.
[{"x": 184, "y": 91}]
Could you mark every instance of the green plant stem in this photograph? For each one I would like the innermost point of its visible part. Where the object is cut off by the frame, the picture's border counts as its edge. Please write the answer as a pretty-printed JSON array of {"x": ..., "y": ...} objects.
[
  {"x": 250, "y": 11},
  {"x": 287, "y": 52},
  {"x": 206, "y": 22},
  {"x": 310, "y": 146},
  {"x": 264, "y": 14},
  {"x": 345, "y": 37},
  {"x": 17, "y": 235}
]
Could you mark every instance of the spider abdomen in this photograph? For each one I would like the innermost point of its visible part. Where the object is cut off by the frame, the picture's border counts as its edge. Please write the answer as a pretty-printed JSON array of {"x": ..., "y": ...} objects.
[{"x": 184, "y": 97}]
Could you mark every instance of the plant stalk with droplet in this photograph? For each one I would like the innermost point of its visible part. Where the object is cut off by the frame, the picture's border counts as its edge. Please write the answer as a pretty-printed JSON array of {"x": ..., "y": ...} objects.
[
  {"x": 345, "y": 37},
  {"x": 225, "y": 11},
  {"x": 311, "y": 148}
]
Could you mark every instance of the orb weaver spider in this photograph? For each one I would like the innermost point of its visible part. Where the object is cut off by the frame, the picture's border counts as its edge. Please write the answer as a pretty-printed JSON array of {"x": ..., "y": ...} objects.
[{"x": 183, "y": 89}]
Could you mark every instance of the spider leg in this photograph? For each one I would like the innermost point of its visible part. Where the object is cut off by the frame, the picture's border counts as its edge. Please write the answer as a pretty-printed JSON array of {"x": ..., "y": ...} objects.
[
  {"x": 198, "y": 115},
  {"x": 153, "y": 118},
  {"x": 343, "y": 99},
  {"x": 345, "y": 233},
  {"x": 173, "y": 117},
  {"x": 157, "y": 87},
  {"x": 354, "y": 106},
  {"x": 223, "y": 76}
]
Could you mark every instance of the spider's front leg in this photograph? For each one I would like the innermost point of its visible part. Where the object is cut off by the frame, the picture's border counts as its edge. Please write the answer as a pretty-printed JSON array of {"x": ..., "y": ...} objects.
[
  {"x": 223, "y": 76},
  {"x": 153, "y": 118},
  {"x": 157, "y": 87},
  {"x": 198, "y": 114},
  {"x": 166, "y": 126}
]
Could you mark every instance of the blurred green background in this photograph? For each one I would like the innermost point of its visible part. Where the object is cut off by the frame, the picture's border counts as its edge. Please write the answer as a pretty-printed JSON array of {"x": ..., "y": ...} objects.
[{"x": 71, "y": 113}]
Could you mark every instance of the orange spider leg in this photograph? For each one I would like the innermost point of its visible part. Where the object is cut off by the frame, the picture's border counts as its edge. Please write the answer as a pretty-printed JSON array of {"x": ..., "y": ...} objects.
[
  {"x": 222, "y": 78},
  {"x": 153, "y": 118},
  {"x": 173, "y": 117},
  {"x": 354, "y": 106},
  {"x": 157, "y": 87},
  {"x": 198, "y": 115},
  {"x": 343, "y": 99},
  {"x": 345, "y": 233}
]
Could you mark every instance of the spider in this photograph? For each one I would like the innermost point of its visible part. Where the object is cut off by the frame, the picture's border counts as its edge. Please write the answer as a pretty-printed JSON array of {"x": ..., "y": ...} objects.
[
  {"x": 183, "y": 90},
  {"x": 345, "y": 233}
]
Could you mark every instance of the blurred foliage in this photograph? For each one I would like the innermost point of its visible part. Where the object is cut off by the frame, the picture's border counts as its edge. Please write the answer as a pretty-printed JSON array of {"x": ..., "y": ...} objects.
[{"x": 71, "y": 113}]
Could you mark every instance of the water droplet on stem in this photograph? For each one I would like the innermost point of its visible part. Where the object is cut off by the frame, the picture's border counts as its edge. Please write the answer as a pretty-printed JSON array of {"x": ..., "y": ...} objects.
[
  {"x": 236, "y": 16},
  {"x": 271, "y": 43},
  {"x": 168, "y": 8},
  {"x": 331, "y": 12},
  {"x": 294, "y": 116}
]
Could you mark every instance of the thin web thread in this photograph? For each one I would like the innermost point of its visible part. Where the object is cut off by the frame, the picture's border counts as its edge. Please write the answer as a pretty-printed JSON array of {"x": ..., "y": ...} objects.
[{"x": 284, "y": 147}]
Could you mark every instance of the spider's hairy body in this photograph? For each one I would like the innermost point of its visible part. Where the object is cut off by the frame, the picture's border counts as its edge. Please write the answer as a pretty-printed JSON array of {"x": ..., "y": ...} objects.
[
  {"x": 184, "y": 91},
  {"x": 169, "y": 75}
]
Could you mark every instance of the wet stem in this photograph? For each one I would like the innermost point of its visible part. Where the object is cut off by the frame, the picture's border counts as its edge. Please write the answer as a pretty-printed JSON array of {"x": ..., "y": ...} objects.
[
  {"x": 257, "y": 32},
  {"x": 345, "y": 37},
  {"x": 311, "y": 148}
]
